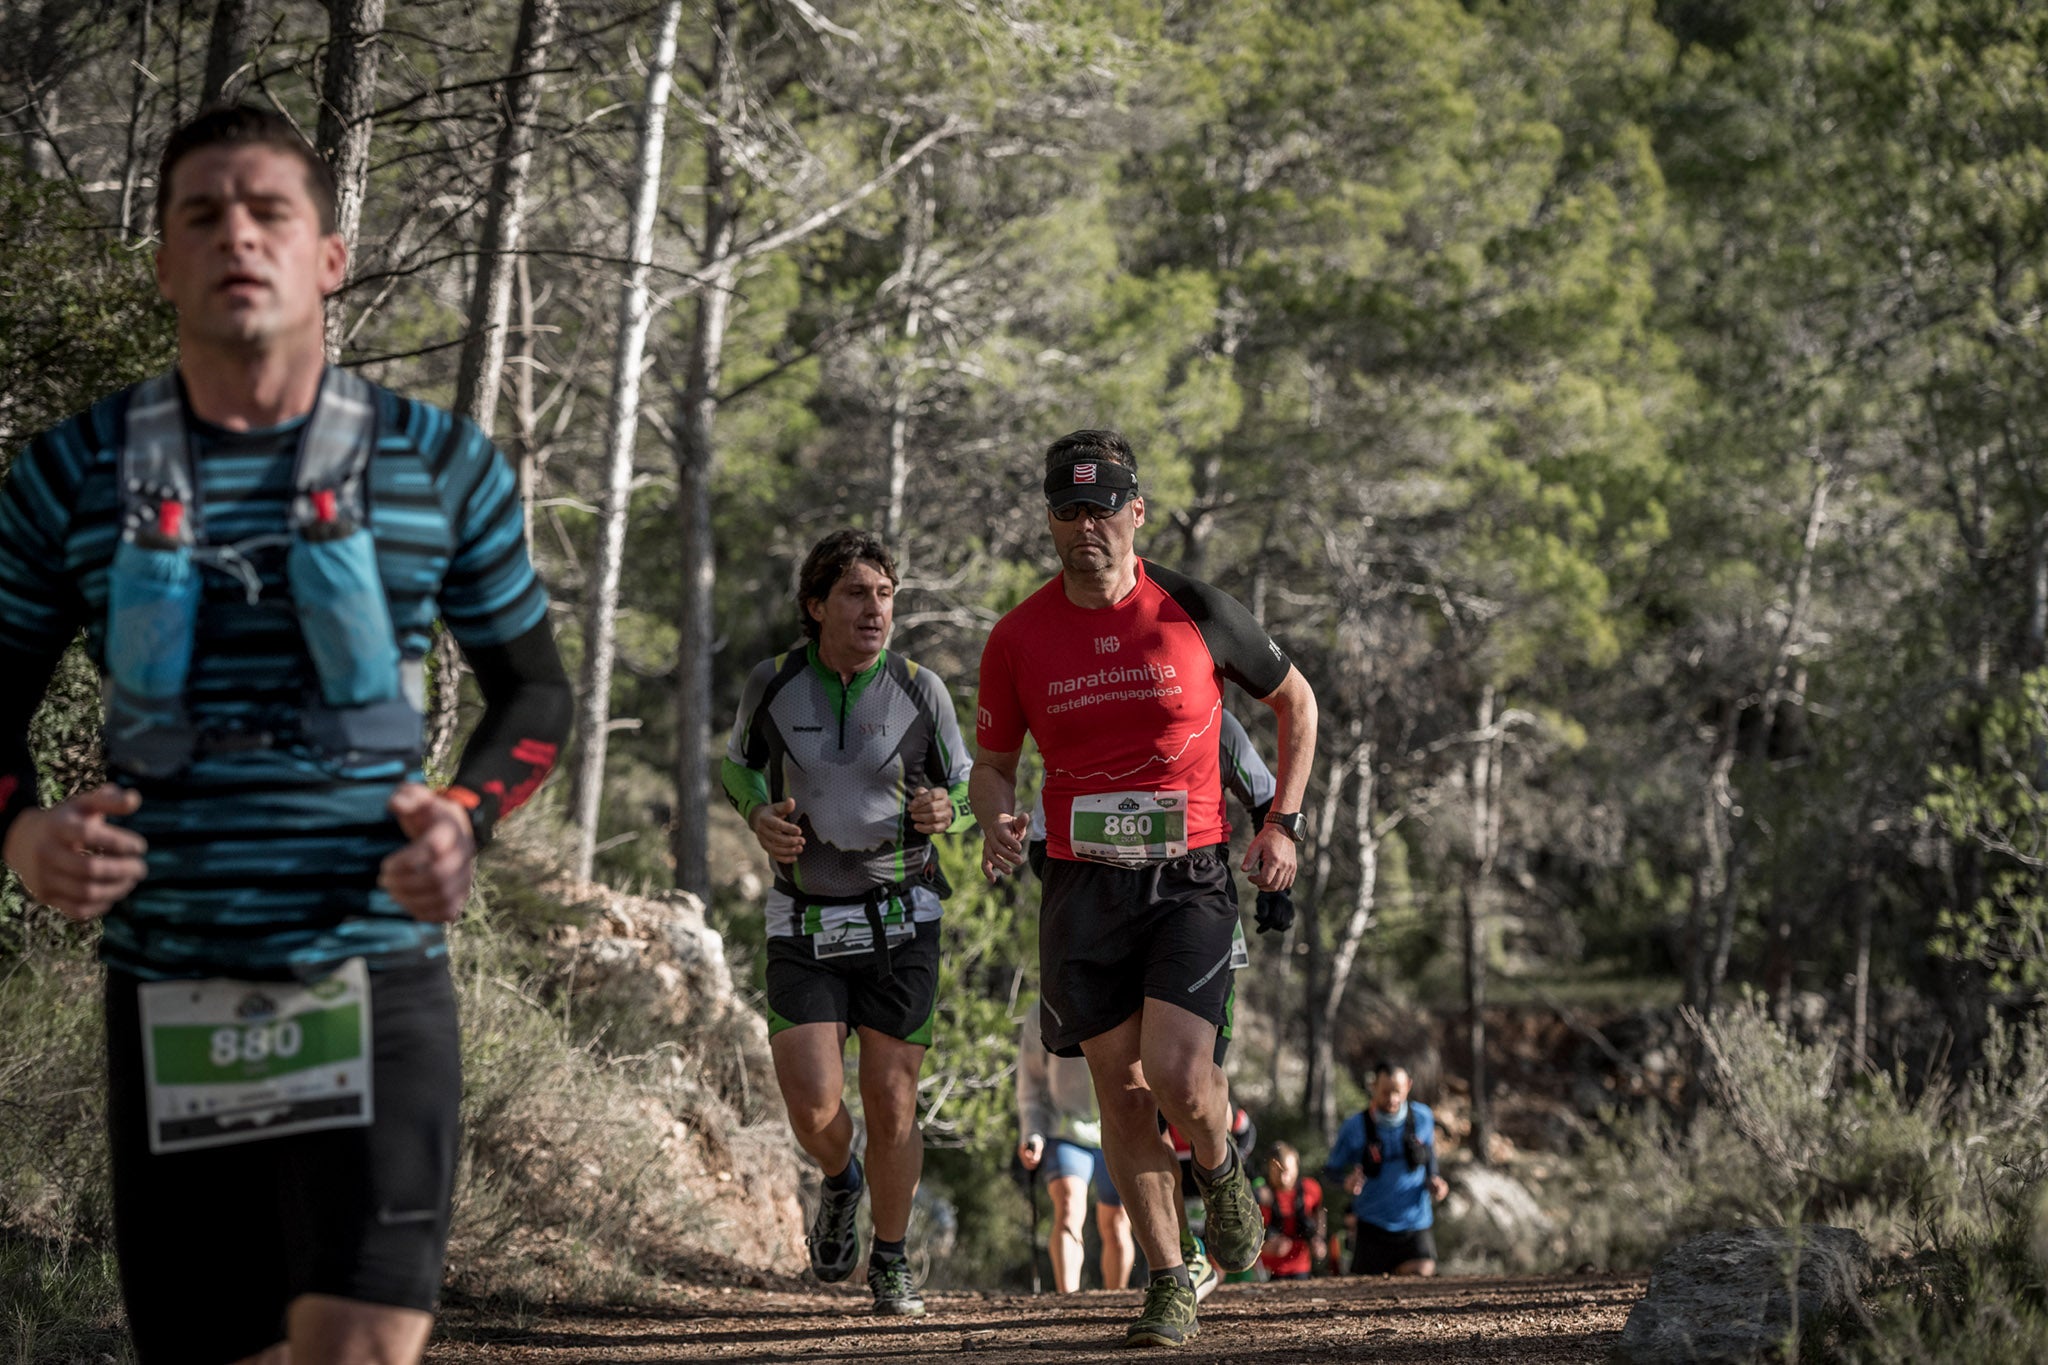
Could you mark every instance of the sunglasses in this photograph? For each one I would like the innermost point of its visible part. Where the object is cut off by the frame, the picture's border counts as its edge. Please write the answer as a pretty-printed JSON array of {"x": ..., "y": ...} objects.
[{"x": 1073, "y": 511}]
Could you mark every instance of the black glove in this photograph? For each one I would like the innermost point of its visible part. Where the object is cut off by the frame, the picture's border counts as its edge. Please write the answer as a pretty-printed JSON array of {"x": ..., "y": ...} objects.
[{"x": 1275, "y": 912}]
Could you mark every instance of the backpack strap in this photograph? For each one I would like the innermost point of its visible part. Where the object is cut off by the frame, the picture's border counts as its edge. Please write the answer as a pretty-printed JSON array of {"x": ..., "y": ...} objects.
[
  {"x": 155, "y": 472},
  {"x": 334, "y": 453}
]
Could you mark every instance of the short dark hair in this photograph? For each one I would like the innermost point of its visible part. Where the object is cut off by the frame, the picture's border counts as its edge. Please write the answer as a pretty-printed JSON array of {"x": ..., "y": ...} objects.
[
  {"x": 247, "y": 125},
  {"x": 828, "y": 560},
  {"x": 1386, "y": 1067},
  {"x": 1090, "y": 445}
]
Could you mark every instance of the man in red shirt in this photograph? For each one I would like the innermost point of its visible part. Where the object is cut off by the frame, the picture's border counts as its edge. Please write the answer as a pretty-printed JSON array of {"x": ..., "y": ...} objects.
[{"x": 1116, "y": 669}]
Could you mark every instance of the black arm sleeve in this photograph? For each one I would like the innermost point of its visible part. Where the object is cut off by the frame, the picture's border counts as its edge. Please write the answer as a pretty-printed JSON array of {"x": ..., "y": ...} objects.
[
  {"x": 1243, "y": 652},
  {"x": 528, "y": 706},
  {"x": 23, "y": 680}
]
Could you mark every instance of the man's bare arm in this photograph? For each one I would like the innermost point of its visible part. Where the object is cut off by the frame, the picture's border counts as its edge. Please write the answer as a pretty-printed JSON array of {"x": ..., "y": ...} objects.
[
  {"x": 1271, "y": 859},
  {"x": 992, "y": 792}
]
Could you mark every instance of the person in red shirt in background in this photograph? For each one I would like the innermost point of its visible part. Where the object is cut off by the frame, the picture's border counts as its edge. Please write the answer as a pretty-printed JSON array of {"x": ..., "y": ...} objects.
[{"x": 1292, "y": 1205}]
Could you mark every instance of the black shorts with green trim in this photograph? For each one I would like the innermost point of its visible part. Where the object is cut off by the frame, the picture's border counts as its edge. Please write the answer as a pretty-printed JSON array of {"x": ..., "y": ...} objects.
[
  {"x": 1110, "y": 938},
  {"x": 215, "y": 1244},
  {"x": 851, "y": 990}
]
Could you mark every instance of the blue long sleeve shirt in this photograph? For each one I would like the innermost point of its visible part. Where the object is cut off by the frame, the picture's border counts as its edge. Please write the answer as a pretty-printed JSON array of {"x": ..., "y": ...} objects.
[{"x": 1397, "y": 1199}]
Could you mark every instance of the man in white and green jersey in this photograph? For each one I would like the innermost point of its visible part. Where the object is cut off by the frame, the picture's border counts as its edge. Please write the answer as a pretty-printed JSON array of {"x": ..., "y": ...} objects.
[{"x": 844, "y": 761}]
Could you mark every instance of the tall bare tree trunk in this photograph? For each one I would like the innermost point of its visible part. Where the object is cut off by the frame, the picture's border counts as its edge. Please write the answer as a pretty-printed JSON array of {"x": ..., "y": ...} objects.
[
  {"x": 1363, "y": 901},
  {"x": 348, "y": 86},
  {"x": 600, "y": 637},
  {"x": 1779, "y": 960},
  {"x": 1710, "y": 878},
  {"x": 1860, "y": 899},
  {"x": 348, "y": 89},
  {"x": 483, "y": 349},
  {"x": 917, "y": 231},
  {"x": 1486, "y": 817},
  {"x": 1319, "y": 1091},
  {"x": 696, "y": 466},
  {"x": 525, "y": 450},
  {"x": 131, "y": 170},
  {"x": 227, "y": 51}
]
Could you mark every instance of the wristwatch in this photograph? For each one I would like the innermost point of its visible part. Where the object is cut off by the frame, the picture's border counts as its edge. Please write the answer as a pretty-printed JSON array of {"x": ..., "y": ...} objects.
[{"x": 1291, "y": 823}]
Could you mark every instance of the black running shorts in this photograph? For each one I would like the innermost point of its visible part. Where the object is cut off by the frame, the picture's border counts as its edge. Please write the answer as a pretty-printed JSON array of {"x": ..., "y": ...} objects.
[
  {"x": 804, "y": 989},
  {"x": 1376, "y": 1251},
  {"x": 215, "y": 1244},
  {"x": 1110, "y": 938}
]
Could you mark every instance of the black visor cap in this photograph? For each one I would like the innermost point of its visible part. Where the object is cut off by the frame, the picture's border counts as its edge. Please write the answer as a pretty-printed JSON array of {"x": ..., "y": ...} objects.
[{"x": 1102, "y": 482}]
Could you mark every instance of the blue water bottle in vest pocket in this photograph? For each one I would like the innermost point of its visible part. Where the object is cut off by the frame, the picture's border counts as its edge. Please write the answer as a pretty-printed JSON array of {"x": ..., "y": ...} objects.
[
  {"x": 152, "y": 616},
  {"x": 342, "y": 610}
]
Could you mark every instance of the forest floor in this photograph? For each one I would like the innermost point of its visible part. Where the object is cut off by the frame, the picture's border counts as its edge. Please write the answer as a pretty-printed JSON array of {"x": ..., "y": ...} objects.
[{"x": 1554, "y": 1320}]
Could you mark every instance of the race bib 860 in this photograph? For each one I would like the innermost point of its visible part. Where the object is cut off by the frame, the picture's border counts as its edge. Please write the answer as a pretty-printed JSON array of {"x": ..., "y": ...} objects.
[{"x": 1130, "y": 827}]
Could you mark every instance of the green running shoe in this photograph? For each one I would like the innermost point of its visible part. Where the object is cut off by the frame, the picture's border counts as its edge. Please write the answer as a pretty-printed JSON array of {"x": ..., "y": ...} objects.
[
  {"x": 895, "y": 1293},
  {"x": 1201, "y": 1269},
  {"x": 1169, "y": 1316},
  {"x": 1231, "y": 1225}
]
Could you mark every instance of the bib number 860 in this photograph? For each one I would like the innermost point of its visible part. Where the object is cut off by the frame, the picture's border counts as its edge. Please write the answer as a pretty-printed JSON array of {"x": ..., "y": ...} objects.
[
  {"x": 260, "y": 1042},
  {"x": 1128, "y": 826}
]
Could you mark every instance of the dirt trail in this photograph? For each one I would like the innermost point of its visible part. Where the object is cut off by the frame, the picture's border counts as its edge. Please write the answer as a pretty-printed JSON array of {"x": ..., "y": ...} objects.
[{"x": 1564, "y": 1320}]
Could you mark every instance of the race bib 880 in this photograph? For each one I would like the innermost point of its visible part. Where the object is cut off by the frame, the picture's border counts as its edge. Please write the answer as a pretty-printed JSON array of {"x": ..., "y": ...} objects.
[{"x": 234, "y": 1061}]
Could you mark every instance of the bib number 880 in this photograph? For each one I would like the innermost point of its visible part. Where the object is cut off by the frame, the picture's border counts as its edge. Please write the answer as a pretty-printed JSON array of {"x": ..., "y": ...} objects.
[
  {"x": 1128, "y": 826},
  {"x": 257, "y": 1043}
]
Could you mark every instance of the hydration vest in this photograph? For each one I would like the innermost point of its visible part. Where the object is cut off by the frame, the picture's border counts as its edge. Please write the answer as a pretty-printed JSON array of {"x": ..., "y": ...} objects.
[
  {"x": 1302, "y": 1219},
  {"x": 1413, "y": 1149},
  {"x": 368, "y": 705}
]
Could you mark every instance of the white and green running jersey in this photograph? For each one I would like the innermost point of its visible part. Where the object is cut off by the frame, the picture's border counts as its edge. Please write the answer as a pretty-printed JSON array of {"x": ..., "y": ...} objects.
[{"x": 851, "y": 754}]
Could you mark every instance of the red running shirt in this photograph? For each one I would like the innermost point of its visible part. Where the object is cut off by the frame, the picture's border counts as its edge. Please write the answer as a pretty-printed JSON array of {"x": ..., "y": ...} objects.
[
  {"x": 1300, "y": 1225},
  {"x": 1126, "y": 699}
]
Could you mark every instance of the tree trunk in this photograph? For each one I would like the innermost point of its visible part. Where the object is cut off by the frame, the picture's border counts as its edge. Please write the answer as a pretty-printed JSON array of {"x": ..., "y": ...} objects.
[
  {"x": 227, "y": 52},
  {"x": 1703, "y": 921},
  {"x": 444, "y": 705},
  {"x": 131, "y": 170},
  {"x": 348, "y": 86},
  {"x": 1859, "y": 1013},
  {"x": 600, "y": 638},
  {"x": 1780, "y": 961},
  {"x": 1486, "y": 785},
  {"x": 483, "y": 349},
  {"x": 1318, "y": 1048},
  {"x": 1472, "y": 934},
  {"x": 1363, "y": 901},
  {"x": 525, "y": 450},
  {"x": 917, "y": 230},
  {"x": 696, "y": 465}
]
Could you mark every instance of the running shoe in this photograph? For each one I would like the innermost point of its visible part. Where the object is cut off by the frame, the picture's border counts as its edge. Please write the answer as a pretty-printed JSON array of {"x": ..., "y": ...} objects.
[
  {"x": 1231, "y": 1225},
  {"x": 895, "y": 1293},
  {"x": 1201, "y": 1270},
  {"x": 1168, "y": 1318},
  {"x": 834, "y": 1241}
]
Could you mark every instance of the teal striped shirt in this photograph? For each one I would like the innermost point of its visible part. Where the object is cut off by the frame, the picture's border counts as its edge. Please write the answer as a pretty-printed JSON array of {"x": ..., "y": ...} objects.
[{"x": 263, "y": 862}]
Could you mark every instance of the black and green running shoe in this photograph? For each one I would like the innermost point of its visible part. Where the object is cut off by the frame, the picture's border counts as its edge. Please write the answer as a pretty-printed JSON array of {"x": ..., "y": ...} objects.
[
  {"x": 1231, "y": 1226},
  {"x": 1168, "y": 1318},
  {"x": 834, "y": 1241},
  {"x": 895, "y": 1292}
]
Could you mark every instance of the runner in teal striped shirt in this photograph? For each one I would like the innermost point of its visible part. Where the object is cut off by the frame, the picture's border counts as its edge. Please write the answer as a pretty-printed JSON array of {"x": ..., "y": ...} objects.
[{"x": 256, "y": 550}]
